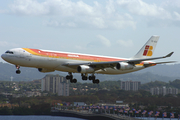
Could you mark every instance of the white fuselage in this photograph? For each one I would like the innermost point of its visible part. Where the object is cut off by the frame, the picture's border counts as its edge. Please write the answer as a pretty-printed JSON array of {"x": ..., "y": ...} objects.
[{"x": 51, "y": 61}]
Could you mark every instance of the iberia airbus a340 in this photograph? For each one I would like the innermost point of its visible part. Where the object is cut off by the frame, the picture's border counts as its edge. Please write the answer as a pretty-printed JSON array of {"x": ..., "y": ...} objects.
[{"x": 49, "y": 61}]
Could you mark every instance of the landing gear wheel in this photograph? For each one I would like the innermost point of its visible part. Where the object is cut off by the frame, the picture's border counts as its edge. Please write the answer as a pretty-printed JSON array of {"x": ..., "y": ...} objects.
[
  {"x": 71, "y": 80},
  {"x": 84, "y": 77},
  {"x": 69, "y": 77},
  {"x": 93, "y": 77},
  {"x": 96, "y": 81},
  {"x": 74, "y": 81},
  {"x": 18, "y": 71}
]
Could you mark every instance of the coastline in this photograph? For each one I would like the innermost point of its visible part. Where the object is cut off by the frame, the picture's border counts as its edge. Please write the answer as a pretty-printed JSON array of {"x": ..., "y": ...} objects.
[{"x": 90, "y": 116}]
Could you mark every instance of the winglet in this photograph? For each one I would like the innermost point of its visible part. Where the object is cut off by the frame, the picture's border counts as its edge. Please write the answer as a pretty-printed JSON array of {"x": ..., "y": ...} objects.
[{"x": 169, "y": 55}]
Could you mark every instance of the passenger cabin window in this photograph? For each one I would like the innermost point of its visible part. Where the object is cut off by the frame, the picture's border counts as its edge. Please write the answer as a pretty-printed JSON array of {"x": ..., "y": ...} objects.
[{"x": 10, "y": 52}]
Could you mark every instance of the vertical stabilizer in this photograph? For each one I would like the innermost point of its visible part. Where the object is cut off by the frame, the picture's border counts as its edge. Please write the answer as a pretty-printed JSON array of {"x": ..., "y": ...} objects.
[{"x": 148, "y": 49}]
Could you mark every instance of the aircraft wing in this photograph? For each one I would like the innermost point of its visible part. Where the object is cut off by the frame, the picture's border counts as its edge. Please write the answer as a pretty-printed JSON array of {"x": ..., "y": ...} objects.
[{"x": 112, "y": 64}]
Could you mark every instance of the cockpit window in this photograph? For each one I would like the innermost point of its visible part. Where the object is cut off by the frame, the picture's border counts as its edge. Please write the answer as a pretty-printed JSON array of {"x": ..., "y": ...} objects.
[{"x": 10, "y": 52}]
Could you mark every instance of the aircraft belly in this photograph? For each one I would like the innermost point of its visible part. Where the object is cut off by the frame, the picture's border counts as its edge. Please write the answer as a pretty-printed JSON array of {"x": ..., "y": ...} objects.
[
  {"x": 46, "y": 62},
  {"x": 53, "y": 63}
]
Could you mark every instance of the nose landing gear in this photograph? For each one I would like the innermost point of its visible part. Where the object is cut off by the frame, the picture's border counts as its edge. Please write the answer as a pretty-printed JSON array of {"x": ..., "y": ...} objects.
[{"x": 18, "y": 71}]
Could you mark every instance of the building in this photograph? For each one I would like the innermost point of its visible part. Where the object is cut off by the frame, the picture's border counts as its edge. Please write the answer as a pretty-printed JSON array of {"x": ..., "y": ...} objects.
[
  {"x": 130, "y": 85},
  {"x": 55, "y": 84},
  {"x": 31, "y": 93},
  {"x": 163, "y": 91},
  {"x": 79, "y": 104}
]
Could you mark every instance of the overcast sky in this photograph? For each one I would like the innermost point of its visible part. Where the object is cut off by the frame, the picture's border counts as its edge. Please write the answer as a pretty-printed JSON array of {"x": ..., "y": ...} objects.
[{"x": 102, "y": 27}]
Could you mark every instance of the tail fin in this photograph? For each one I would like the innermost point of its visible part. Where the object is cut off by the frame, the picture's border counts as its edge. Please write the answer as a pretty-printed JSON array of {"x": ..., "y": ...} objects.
[{"x": 148, "y": 49}]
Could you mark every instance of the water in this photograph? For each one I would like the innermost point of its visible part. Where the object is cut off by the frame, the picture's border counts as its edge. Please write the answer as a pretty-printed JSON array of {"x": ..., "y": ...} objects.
[{"x": 33, "y": 117}]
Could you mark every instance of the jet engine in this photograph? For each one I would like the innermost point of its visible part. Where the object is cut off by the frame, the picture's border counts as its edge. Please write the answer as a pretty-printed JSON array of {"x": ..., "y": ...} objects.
[
  {"x": 45, "y": 70},
  {"x": 85, "y": 69},
  {"x": 124, "y": 66}
]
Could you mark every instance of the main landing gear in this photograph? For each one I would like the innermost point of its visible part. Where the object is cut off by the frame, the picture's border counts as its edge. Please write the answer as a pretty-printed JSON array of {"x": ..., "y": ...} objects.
[
  {"x": 70, "y": 77},
  {"x": 92, "y": 77},
  {"x": 84, "y": 77},
  {"x": 18, "y": 71}
]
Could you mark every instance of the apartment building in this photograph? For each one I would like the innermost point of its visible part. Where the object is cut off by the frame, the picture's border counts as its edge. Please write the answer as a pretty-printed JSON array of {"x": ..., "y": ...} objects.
[
  {"x": 130, "y": 85},
  {"x": 163, "y": 91},
  {"x": 55, "y": 84}
]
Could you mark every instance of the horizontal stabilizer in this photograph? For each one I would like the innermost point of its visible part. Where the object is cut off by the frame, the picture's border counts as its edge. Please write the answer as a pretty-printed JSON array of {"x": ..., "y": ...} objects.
[
  {"x": 155, "y": 63},
  {"x": 169, "y": 55},
  {"x": 164, "y": 62}
]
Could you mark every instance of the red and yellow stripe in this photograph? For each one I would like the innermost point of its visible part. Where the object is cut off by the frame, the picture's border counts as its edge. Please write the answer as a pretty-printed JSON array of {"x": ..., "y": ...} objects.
[{"x": 72, "y": 56}]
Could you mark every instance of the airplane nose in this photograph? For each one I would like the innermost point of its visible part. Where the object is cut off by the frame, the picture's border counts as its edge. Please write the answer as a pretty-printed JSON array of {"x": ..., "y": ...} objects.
[{"x": 3, "y": 56}]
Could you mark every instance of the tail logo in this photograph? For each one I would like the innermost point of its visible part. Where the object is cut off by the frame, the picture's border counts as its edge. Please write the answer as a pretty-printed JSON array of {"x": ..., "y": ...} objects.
[{"x": 148, "y": 51}]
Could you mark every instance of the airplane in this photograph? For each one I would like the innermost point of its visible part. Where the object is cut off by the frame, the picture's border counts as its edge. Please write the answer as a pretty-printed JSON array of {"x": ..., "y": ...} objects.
[{"x": 49, "y": 61}]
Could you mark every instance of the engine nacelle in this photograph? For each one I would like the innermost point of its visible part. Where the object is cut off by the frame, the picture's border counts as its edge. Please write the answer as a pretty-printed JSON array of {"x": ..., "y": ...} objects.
[
  {"x": 124, "y": 66},
  {"x": 85, "y": 69},
  {"x": 45, "y": 70}
]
